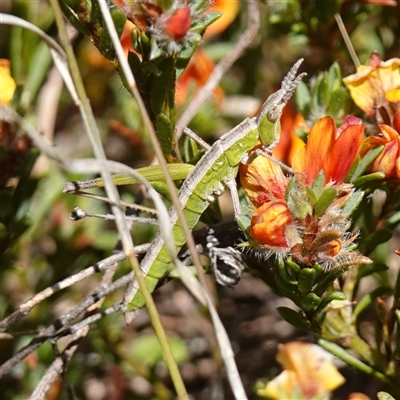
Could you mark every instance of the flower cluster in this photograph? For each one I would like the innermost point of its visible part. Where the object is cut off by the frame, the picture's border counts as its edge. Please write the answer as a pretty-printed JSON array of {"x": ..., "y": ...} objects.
[
  {"x": 375, "y": 88},
  {"x": 171, "y": 29},
  {"x": 307, "y": 216}
]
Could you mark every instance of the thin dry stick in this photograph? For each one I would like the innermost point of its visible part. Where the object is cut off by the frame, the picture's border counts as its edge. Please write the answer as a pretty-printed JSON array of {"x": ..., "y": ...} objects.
[
  {"x": 62, "y": 321},
  {"x": 107, "y": 200},
  {"x": 25, "y": 308},
  {"x": 221, "y": 68},
  {"x": 58, "y": 366}
]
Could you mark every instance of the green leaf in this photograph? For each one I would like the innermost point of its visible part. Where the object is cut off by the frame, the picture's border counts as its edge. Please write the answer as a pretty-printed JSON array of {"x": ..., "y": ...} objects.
[
  {"x": 334, "y": 76},
  {"x": 186, "y": 54},
  {"x": 352, "y": 203},
  {"x": 369, "y": 178},
  {"x": 323, "y": 93},
  {"x": 95, "y": 14},
  {"x": 336, "y": 295},
  {"x": 376, "y": 238},
  {"x": 370, "y": 298},
  {"x": 349, "y": 359},
  {"x": 206, "y": 21},
  {"x": 370, "y": 269},
  {"x": 327, "y": 280},
  {"x": 294, "y": 318},
  {"x": 155, "y": 50},
  {"x": 306, "y": 280},
  {"x": 338, "y": 101},
  {"x": 147, "y": 350},
  {"x": 292, "y": 265},
  {"x": 303, "y": 98},
  {"x": 318, "y": 184},
  {"x": 71, "y": 17},
  {"x": 325, "y": 200},
  {"x": 310, "y": 302},
  {"x": 365, "y": 162},
  {"x": 134, "y": 63},
  {"x": 105, "y": 45},
  {"x": 165, "y": 132},
  {"x": 161, "y": 84}
]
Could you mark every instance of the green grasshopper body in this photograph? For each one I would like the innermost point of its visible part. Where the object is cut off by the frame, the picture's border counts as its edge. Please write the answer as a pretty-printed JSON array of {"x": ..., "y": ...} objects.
[{"x": 216, "y": 170}]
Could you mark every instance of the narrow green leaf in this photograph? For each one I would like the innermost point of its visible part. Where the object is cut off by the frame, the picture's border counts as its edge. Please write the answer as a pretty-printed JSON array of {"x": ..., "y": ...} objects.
[
  {"x": 95, "y": 14},
  {"x": 310, "y": 302},
  {"x": 161, "y": 84},
  {"x": 335, "y": 76},
  {"x": 370, "y": 269},
  {"x": 290, "y": 263},
  {"x": 365, "y": 162},
  {"x": 337, "y": 103},
  {"x": 353, "y": 202},
  {"x": 326, "y": 300},
  {"x": 349, "y": 359},
  {"x": 326, "y": 281},
  {"x": 294, "y": 318},
  {"x": 376, "y": 238},
  {"x": 306, "y": 280},
  {"x": 325, "y": 200},
  {"x": 75, "y": 22},
  {"x": 303, "y": 98},
  {"x": 369, "y": 299},
  {"x": 318, "y": 185},
  {"x": 147, "y": 349},
  {"x": 105, "y": 45},
  {"x": 206, "y": 21},
  {"x": 368, "y": 178},
  {"x": 165, "y": 132}
]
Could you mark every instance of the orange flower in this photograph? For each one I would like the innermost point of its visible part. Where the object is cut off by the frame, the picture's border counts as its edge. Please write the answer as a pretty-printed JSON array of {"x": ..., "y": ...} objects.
[
  {"x": 269, "y": 222},
  {"x": 229, "y": 10},
  {"x": 289, "y": 141},
  {"x": 201, "y": 66},
  {"x": 330, "y": 150},
  {"x": 309, "y": 373},
  {"x": 196, "y": 74},
  {"x": 289, "y": 219},
  {"x": 388, "y": 160},
  {"x": 263, "y": 181},
  {"x": 126, "y": 40},
  {"x": 374, "y": 88}
]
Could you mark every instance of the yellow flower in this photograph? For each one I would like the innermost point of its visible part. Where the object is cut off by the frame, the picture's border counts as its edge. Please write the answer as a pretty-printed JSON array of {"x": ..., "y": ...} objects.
[
  {"x": 308, "y": 373},
  {"x": 7, "y": 83},
  {"x": 375, "y": 88}
]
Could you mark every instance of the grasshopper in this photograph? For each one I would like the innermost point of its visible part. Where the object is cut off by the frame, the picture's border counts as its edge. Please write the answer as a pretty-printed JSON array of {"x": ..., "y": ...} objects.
[{"x": 216, "y": 170}]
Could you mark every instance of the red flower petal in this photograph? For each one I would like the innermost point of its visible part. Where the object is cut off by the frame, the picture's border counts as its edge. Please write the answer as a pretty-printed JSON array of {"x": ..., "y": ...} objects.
[
  {"x": 310, "y": 159},
  {"x": 178, "y": 25},
  {"x": 345, "y": 149}
]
